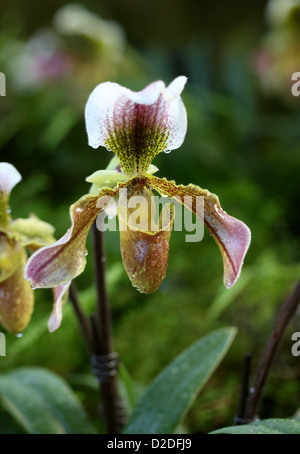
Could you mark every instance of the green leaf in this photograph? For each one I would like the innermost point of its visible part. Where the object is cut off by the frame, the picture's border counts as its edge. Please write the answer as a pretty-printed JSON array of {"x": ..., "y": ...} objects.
[
  {"x": 173, "y": 391},
  {"x": 265, "y": 426},
  {"x": 42, "y": 403},
  {"x": 131, "y": 391}
]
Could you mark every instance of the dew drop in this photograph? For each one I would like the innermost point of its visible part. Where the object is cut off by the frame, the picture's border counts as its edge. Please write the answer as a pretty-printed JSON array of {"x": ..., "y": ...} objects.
[
  {"x": 167, "y": 151},
  {"x": 19, "y": 335},
  {"x": 8, "y": 211},
  {"x": 86, "y": 253},
  {"x": 33, "y": 288}
]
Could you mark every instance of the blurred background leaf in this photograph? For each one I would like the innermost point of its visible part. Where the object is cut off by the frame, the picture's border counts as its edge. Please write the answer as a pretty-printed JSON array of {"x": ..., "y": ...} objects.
[
  {"x": 42, "y": 403},
  {"x": 170, "y": 395},
  {"x": 266, "y": 426}
]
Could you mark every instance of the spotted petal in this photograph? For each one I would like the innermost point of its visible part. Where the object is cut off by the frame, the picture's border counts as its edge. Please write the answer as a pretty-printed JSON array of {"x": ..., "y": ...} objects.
[
  {"x": 232, "y": 236},
  {"x": 62, "y": 261},
  {"x": 136, "y": 126}
]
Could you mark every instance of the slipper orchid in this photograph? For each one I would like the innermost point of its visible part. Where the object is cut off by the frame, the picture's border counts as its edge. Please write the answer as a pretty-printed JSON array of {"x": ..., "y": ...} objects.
[
  {"x": 137, "y": 126},
  {"x": 16, "y": 294}
]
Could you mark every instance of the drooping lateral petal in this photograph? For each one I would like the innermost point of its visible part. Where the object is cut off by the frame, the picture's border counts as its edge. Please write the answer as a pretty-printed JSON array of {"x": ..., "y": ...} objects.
[
  {"x": 136, "y": 126},
  {"x": 62, "y": 261},
  {"x": 232, "y": 235},
  {"x": 16, "y": 294},
  {"x": 60, "y": 295},
  {"x": 9, "y": 177}
]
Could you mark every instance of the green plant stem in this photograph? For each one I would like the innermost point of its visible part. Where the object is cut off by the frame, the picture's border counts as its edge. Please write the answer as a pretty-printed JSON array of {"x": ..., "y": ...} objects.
[
  {"x": 112, "y": 404},
  {"x": 285, "y": 315}
]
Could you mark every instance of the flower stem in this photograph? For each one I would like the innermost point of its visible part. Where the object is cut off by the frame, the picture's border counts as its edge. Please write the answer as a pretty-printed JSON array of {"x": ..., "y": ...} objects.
[
  {"x": 239, "y": 418},
  {"x": 105, "y": 360},
  {"x": 83, "y": 321},
  {"x": 286, "y": 313}
]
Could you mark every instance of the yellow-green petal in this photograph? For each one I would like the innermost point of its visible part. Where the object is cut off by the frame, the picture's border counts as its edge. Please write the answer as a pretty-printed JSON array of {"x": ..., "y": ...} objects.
[
  {"x": 32, "y": 232},
  {"x": 106, "y": 178}
]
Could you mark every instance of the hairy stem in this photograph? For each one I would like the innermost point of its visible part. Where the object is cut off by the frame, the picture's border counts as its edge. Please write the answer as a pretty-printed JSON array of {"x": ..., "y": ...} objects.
[
  {"x": 239, "y": 418},
  {"x": 106, "y": 359},
  {"x": 83, "y": 321}
]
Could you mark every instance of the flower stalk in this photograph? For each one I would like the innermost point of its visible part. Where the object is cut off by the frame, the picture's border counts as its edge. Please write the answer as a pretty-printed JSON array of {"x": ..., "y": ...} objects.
[
  {"x": 98, "y": 337},
  {"x": 286, "y": 313},
  {"x": 105, "y": 360}
]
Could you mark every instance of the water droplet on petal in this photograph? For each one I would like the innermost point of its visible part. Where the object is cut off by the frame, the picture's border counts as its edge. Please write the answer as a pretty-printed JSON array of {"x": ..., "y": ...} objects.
[
  {"x": 19, "y": 335},
  {"x": 8, "y": 211},
  {"x": 33, "y": 288},
  {"x": 167, "y": 151}
]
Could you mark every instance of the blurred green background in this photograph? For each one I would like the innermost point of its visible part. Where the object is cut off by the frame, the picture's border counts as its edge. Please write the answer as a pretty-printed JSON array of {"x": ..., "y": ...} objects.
[{"x": 242, "y": 143}]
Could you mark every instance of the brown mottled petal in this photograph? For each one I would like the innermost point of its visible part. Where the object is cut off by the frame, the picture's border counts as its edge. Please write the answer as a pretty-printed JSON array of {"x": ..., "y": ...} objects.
[
  {"x": 62, "y": 261},
  {"x": 232, "y": 235},
  {"x": 16, "y": 294},
  {"x": 60, "y": 295},
  {"x": 145, "y": 254},
  {"x": 136, "y": 126}
]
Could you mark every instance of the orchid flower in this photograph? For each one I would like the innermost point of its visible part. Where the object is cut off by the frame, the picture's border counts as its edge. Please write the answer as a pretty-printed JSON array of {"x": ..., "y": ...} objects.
[
  {"x": 137, "y": 126},
  {"x": 16, "y": 294}
]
